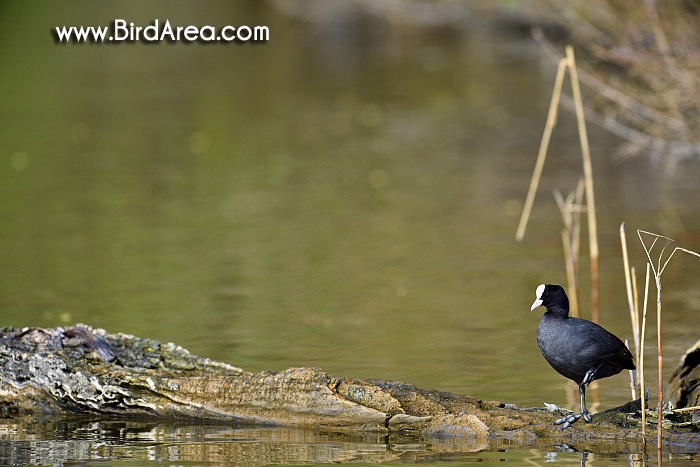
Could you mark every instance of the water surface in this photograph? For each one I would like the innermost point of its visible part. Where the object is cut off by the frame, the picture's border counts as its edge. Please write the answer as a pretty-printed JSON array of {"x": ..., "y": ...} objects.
[{"x": 343, "y": 197}]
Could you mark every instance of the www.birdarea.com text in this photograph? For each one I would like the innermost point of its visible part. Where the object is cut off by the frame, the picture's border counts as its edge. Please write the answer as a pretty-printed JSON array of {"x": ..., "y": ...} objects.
[{"x": 159, "y": 31}]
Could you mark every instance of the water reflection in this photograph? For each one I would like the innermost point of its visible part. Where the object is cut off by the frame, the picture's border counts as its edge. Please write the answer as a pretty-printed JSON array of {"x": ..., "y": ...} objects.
[
  {"x": 589, "y": 458},
  {"x": 42, "y": 441}
]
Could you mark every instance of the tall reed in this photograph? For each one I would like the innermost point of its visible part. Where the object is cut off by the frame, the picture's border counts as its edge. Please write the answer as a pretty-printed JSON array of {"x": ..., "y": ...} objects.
[
  {"x": 638, "y": 331},
  {"x": 629, "y": 286},
  {"x": 570, "y": 209},
  {"x": 568, "y": 64},
  {"x": 642, "y": 388},
  {"x": 657, "y": 270}
]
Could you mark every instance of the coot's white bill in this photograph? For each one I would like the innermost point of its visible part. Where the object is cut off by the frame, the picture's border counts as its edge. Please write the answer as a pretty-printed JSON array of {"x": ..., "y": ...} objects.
[{"x": 538, "y": 294}]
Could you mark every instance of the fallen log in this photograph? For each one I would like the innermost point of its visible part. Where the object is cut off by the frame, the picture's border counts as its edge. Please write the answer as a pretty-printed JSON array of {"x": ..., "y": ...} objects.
[{"x": 87, "y": 370}]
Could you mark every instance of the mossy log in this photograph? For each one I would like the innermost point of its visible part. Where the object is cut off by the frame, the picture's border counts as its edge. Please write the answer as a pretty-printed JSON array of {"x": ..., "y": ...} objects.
[{"x": 85, "y": 370}]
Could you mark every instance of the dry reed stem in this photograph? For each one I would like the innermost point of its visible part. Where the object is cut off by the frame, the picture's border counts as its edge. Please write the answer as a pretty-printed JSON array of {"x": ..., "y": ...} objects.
[
  {"x": 658, "y": 271},
  {"x": 687, "y": 409},
  {"x": 641, "y": 357},
  {"x": 635, "y": 333},
  {"x": 635, "y": 317},
  {"x": 542, "y": 153},
  {"x": 570, "y": 273},
  {"x": 660, "y": 358},
  {"x": 626, "y": 265},
  {"x": 570, "y": 213},
  {"x": 633, "y": 389},
  {"x": 588, "y": 177},
  {"x": 695, "y": 253},
  {"x": 576, "y": 242},
  {"x": 630, "y": 300}
]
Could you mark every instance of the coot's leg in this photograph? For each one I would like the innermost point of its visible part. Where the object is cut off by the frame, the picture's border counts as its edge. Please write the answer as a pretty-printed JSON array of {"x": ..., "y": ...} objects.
[
  {"x": 569, "y": 420},
  {"x": 590, "y": 376},
  {"x": 584, "y": 411}
]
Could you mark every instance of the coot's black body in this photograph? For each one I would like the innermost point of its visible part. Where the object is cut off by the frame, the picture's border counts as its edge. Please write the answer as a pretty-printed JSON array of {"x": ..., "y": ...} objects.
[{"x": 578, "y": 349}]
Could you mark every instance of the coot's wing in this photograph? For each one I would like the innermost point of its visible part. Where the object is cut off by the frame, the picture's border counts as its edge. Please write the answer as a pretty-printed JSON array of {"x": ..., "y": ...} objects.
[{"x": 598, "y": 346}]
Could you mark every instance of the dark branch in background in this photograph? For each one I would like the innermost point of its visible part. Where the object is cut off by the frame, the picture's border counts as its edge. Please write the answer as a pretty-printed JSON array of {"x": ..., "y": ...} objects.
[{"x": 642, "y": 60}]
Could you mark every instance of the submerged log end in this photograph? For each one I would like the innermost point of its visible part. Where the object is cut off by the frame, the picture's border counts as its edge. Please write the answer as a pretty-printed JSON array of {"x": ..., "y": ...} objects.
[{"x": 684, "y": 385}]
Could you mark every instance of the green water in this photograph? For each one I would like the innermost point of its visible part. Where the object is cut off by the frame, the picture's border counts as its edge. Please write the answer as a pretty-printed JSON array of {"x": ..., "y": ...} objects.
[{"x": 344, "y": 196}]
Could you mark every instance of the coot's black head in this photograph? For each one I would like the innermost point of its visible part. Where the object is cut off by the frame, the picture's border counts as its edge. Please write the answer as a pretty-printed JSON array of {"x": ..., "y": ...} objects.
[{"x": 551, "y": 297}]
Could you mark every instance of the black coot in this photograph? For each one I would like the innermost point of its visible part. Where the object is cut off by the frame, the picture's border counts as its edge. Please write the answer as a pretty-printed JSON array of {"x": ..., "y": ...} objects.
[{"x": 578, "y": 349}]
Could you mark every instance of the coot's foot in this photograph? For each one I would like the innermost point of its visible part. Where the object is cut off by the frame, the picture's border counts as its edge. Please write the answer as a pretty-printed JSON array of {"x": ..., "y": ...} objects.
[{"x": 568, "y": 420}]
